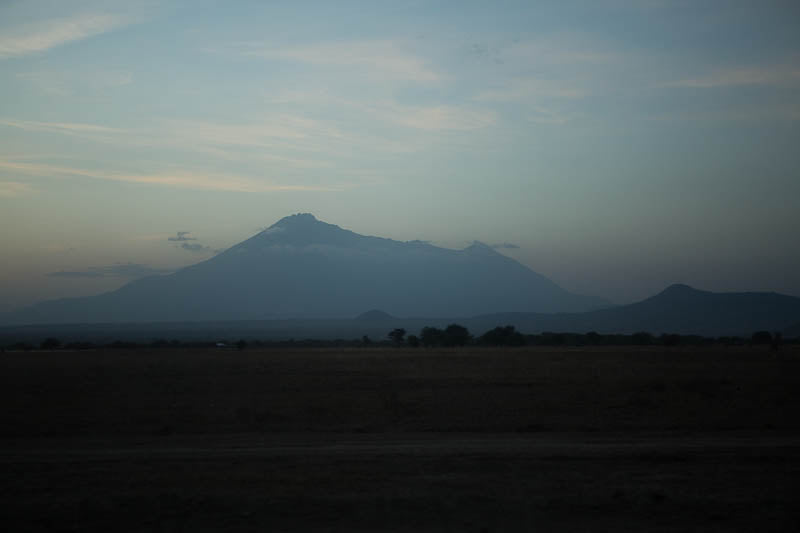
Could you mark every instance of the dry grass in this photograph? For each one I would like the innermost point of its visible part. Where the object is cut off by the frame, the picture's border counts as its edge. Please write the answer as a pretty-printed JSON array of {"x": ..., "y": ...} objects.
[{"x": 460, "y": 440}]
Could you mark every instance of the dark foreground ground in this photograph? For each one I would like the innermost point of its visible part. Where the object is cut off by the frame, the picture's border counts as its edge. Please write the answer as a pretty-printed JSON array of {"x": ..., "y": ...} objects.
[{"x": 625, "y": 439}]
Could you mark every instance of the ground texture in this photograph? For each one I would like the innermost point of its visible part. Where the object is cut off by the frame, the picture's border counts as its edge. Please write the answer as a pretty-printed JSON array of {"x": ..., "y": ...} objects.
[{"x": 600, "y": 439}]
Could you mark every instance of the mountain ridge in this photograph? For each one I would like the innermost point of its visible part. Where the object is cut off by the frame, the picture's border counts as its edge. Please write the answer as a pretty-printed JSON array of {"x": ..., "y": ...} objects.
[
  {"x": 678, "y": 308},
  {"x": 301, "y": 267}
]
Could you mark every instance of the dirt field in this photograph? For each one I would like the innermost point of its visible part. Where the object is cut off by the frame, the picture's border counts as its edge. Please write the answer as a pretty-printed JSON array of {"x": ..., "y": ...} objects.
[{"x": 600, "y": 439}]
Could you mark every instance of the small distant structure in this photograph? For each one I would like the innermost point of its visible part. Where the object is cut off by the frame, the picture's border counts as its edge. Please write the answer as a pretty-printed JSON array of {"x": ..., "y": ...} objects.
[{"x": 221, "y": 345}]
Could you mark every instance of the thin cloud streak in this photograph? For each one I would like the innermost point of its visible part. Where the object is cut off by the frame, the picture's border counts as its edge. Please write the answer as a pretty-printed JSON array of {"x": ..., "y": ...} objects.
[
  {"x": 377, "y": 60},
  {"x": 430, "y": 118},
  {"x": 182, "y": 236},
  {"x": 281, "y": 138},
  {"x": 195, "y": 247},
  {"x": 122, "y": 270},
  {"x": 180, "y": 179},
  {"x": 284, "y": 132},
  {"x": 70, "y": 83},
  {"x": 750, "y": 113},
  {"x": 777, "y": 76},
  {"x": 13, "y": 189},
  {"x": 45, "y": 35},
  {"x": 561, "y": 50},
  {"x": 529, "y": 89},
  {"x": 60, "y": 127}
]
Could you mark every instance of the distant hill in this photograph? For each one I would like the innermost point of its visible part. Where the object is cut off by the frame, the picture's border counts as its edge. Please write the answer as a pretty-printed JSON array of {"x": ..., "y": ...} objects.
[
  {"x": 678, "y": 309},
  {"x": 375, "y": 315},
  {"x": 301, "y": 267}
]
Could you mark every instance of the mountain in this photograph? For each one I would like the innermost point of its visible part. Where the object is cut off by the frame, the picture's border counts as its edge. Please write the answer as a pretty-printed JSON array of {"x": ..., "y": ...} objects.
[
  {"x": 678, "y": 309},
  {"x": 301, "y": 267}
]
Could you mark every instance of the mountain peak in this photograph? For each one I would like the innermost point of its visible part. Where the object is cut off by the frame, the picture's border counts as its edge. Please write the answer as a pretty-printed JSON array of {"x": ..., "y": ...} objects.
[
  {"x": 679, "y": 288},
  {"x": 678, "y": 292},
  {"x": 302, "y": 229},
  {"x": 299, "y": 219},
  {"x": 479, "y": 247}
]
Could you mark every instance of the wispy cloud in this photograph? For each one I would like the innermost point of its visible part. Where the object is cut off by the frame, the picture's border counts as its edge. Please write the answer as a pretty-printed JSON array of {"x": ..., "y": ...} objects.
[
  {"x": 178, "y": 179},
  {"x": 74, "y": 128},
  {"x": 776, "y": 75},
  {"x": 431, "y": 118},
  {"x": 423, "y": 117},
  {"x": 529, "y": 89},
  {"x": 182, "y": 236},
  {"x": 117, "y": 270},
  {"x": 544, "y": 115},
  {"x": 195, "y": 247},
  {"x": 185, "y": 238},
  {"x": 558, "y": 50},
  {"x": 506, "y": 246},
  {"x": 280, "y": 133},
  {"x": 12, "y": 189},
  {"x": 378, "y": 60},
  {"x": 216, "y": 139},
  {"x": 70, "y": 82},
  {"x": 747, "y": 113},
  {"x": 282, "y": 139},
  {"x": 42, "y": 36}
]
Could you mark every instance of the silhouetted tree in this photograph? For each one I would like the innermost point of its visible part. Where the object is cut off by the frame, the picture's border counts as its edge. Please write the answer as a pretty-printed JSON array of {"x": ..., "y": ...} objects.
[
  {"x": 776, "y": 341},
  {"x": 365, "y": 340},
  {"x": 412, "y": 341},
  {"x": 456, "y": 335},
  {"x": 761, "y": 337},
  {"x": 430, "y": 336},
  {"x": 502, "y": 336},
  {"x": 397, "y": 335},
  {"x": 241, "y": 344},
  {"x": 548, "y": 338},
  {"x": 593, "y": 338},
  {"x": 51, "y": 343},
  {"x": 670, "y": 339}
]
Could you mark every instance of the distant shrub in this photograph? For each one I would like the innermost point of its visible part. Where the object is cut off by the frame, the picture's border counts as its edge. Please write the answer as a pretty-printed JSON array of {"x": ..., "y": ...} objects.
[
  {"x": 397, "y": 336},
  {"x": 642, "y": 338},
  {"x": 50, "y": 343},
  {"x": 761, "y": 337},
  {"x": 670, "y": 340},
  {"x": 456, "y": 335},
  {"x": 502, "y": 336},
  {"x": 430, "y": 336}
]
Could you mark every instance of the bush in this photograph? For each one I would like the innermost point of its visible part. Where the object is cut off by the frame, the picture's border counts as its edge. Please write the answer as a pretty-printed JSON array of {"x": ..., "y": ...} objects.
[
  {"x": 502, "y": 336},
  {"x": 50, "y": 343},
  {"x": 396, "y": 336},
  {"x": 456, "y": 335},
  {"x": 761, "y": 337}
]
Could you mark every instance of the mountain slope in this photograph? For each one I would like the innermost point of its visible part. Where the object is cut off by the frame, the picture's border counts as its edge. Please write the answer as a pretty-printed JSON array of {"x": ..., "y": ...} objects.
[
  {"x": 301, "y": 267},
  {"x": 677, "y": 309}
]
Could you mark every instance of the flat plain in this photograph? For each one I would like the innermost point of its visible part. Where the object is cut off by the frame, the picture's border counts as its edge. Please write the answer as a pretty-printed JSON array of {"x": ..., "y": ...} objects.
[{"x": 471, "y": 439}]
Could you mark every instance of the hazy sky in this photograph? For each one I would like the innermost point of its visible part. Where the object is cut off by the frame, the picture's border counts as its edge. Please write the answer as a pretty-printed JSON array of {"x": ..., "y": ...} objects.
[{"x": 621, "y": 145}]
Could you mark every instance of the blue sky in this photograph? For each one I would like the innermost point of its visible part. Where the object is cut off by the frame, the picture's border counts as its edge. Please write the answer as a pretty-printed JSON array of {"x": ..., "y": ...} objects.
[{"x": 621, "y": 145}]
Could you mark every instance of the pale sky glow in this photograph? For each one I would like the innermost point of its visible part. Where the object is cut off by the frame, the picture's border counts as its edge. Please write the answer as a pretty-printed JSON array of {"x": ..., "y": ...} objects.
[{"x": 621, "y": 145}]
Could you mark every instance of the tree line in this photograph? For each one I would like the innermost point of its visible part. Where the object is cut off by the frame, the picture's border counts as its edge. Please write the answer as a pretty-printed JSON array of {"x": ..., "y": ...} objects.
[{"x": 454, "y": 335}]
